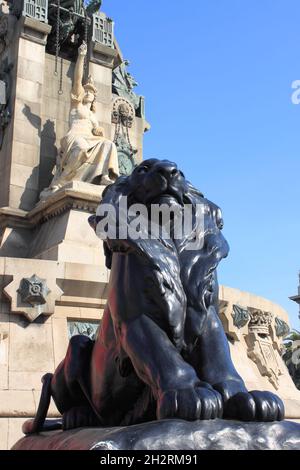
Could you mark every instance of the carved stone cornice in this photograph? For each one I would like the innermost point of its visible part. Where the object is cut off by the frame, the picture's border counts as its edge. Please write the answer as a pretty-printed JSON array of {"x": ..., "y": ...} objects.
[
  {"x": 103, "y": 55},
  {"x": 76, "y": 195},
  {"x": 34, "y": 30}
]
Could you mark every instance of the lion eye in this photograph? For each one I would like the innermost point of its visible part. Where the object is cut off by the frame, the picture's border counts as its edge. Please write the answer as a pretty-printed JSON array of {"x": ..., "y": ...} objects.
[
  {"x": 143, "y": 169},
  {"x": 220, "y": 221}
]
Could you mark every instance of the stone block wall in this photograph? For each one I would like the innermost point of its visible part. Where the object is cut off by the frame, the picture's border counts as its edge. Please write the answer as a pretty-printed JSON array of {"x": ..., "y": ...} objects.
[{"x": 27, "y": 110}]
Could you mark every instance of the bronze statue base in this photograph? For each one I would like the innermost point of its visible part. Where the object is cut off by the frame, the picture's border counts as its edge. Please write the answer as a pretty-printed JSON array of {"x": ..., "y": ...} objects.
[{"x": 171, "y": 435}]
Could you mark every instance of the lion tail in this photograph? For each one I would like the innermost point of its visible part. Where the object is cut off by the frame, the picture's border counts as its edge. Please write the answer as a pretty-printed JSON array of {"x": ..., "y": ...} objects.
[{"x": 36, "y": 424}]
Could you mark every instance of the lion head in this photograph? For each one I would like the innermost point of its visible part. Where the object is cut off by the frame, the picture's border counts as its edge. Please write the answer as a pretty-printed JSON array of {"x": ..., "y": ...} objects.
[{"x": 184, "y": 266}]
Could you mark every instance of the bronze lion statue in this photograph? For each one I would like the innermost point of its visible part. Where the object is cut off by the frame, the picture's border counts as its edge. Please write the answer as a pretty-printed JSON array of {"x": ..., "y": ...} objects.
[{"x": 161, "y": 351}]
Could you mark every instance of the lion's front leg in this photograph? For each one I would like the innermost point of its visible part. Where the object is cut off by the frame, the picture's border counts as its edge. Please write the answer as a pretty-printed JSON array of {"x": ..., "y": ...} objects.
[
  {"x": 178, "y": 391},
  {"x": 212, "y": 361}
]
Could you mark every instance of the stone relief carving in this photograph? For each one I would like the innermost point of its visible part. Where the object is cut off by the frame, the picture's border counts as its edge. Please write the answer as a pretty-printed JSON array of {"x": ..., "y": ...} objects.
[
  {"x": 123, "y": 117},
  {"x": 260, "y": 319},
  {"x": 260, "y": 346},
  {"x": 31, "y": 297},
  {"x": 85, "y": 154},
  {"x": 123, "y": 84},
  {"x": 34, "y": 290}
]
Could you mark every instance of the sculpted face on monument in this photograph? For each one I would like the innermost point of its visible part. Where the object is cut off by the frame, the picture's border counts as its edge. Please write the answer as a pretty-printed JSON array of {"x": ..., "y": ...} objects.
[
  {"x": 161, "y": 350},
  {"x": 85, "y": 154},
  {"x": 89, "y": 97}
]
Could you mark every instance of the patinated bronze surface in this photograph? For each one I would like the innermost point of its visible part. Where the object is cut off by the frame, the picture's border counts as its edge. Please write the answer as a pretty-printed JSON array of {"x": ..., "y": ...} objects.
[{"x": 161, "y": 351}]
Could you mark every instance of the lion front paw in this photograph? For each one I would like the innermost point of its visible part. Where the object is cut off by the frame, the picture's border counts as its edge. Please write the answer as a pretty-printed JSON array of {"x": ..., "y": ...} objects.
[
  {"x": 190, "y": 404},
  {"x": 254, "y": 406}
]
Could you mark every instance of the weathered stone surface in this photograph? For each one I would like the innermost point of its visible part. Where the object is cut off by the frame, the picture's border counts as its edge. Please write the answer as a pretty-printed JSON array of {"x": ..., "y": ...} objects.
[
  {"x": 22, "y": 198},
  {"x": 3, "y": 433},
  {"x": 14, "y": 431},
  {"x": 172, "y": 435}
]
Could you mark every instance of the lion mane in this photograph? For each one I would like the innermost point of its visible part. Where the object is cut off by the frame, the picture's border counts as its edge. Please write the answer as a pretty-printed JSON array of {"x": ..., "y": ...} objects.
[{"x": 170, "y": 264}]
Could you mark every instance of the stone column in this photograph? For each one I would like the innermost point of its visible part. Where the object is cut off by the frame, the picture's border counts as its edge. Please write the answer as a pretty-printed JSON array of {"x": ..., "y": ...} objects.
[{"x": 22, "y": 141}]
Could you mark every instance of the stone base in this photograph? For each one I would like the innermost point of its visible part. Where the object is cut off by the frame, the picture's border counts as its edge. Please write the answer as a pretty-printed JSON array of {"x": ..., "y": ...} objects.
[
  {"x": 172, "y": 435},
  {"x": 56, "y": 229}
]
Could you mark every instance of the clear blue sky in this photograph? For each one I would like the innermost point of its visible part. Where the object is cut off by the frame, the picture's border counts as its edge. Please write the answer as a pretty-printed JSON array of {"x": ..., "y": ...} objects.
[{"x": 217, "y": 78}]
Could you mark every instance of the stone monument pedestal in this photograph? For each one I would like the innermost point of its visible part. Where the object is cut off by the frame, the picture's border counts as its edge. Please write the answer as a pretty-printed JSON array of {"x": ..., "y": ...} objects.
[{"x": 57, "y": 228}]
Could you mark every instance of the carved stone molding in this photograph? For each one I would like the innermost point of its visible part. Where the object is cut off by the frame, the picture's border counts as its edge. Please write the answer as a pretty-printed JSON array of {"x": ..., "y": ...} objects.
[
  {"x": 103, "y": 55},
  {"x": 75, "y": 195}
]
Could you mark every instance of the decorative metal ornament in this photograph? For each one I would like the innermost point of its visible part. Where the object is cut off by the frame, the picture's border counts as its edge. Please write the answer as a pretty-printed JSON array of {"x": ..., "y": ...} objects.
[
  {"x": 33, "y": 290},
  {"x": 123, "y": 112},
  {"x": 240, "y": 316},
  {"x": 281, "y": 327},
  {"x": 125, "y": 156},
  {"x": 72, "y": 22},
  {"x": 123, "y": 84}
]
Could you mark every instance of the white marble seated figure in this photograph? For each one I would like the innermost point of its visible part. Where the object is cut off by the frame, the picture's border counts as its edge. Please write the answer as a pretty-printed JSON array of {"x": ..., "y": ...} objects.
[{"x": 85, "y": 154}]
